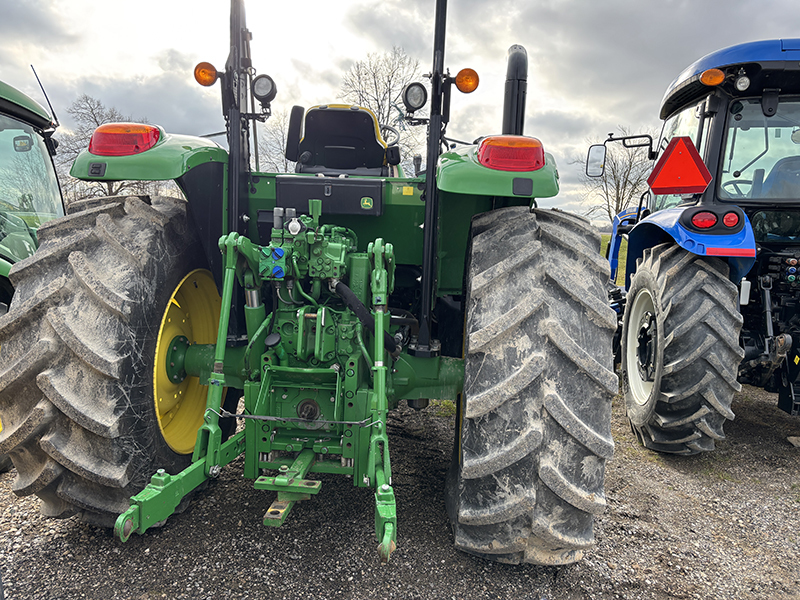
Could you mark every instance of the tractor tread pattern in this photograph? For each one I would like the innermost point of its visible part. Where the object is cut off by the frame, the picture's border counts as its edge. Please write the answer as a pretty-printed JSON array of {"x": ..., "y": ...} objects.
[
  {"x": 535, "y": 433},
  {"x": 700, "y": 325},
  {"x": 103, "y": 292},
  {"x": 75, "y": 419},
  {"x": 79, "y": 406}
]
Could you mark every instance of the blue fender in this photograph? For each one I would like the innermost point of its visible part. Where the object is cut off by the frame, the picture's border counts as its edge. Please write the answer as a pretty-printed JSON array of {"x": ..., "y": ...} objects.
[
  {"x": 738, "y": 249},
  {"x": 625, "y": 218}
]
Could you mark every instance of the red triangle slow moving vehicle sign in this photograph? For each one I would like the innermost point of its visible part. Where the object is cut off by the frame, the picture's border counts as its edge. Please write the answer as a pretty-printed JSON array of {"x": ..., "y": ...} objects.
[{"x": 680, "y": 170}]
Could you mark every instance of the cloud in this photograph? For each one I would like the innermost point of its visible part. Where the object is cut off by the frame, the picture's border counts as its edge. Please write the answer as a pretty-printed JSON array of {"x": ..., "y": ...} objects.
[
  {"x": 25, "y": 20},
  {"x": 406, "y": 25},
  {"x": 170, "y": 97},
  {"x": 29, "y": 32},
  {"x": 558, "y": 124},
  {"x": 173, "y": 61},
  {"x": 308, "y": 72}
]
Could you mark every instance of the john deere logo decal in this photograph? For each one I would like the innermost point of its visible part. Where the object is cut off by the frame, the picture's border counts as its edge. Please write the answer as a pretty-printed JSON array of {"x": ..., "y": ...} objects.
[{"x": 366, "y": 203}]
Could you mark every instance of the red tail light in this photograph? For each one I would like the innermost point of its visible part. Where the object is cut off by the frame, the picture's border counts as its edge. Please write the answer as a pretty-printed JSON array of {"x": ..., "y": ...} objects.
[
  {"x": 704, "y": 220},
  {"x": 511, "y": 153},
  {"x": 730, "y": 219},
  {"x": 123, "y": 139}
]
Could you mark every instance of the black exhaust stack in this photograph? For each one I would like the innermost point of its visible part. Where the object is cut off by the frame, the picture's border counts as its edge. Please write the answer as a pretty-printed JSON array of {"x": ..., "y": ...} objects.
[{"x": 516, "y": 90}]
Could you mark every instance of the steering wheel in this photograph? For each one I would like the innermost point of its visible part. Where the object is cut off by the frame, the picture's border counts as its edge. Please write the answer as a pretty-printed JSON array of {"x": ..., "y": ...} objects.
[
  {"x": 395, "y": 139},
  {"x": 735, "y": 191}
]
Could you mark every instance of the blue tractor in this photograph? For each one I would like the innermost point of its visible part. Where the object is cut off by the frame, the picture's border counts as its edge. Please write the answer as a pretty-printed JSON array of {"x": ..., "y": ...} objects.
[{"x": 712, "y": 290}]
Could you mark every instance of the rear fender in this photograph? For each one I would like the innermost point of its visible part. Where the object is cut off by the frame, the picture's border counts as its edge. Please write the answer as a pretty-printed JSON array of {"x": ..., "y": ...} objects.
[
  {"x": 737, "y": 249},
  {"x": 459, "y": 172},
  {"x": 468, "y": 188},
  {"x": 197, "y": 165},
  {"x": 171, "y": 158},
  {"x": 621, "y": 224}
]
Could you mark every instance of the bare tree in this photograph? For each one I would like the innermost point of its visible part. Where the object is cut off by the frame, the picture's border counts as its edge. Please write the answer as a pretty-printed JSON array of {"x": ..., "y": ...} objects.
[
  {"x": 622, "y": 183},
  {"x": 377, "y": 83},
  {"x": 272, "y": 144},
  {"x": 89, "y": 113}
]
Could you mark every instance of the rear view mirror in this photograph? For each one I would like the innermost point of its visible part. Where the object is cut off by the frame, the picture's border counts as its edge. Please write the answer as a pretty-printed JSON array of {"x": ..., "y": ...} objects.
[
  {"x": 23, "y": 143},
  {"x": 596, "y": 161}
]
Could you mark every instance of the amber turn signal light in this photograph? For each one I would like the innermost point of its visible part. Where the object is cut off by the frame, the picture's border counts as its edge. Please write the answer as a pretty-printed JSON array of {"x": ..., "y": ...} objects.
[
  {"x": 205, "y": 74},
  {"x": 712, "y": 77},
  {"x": 467, "y": 81}
]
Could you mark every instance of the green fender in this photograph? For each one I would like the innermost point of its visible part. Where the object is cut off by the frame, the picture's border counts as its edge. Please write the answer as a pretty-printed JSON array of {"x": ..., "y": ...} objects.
[
  {"x": 170, "y": 158},
  {"x": 460, "y": 172}
]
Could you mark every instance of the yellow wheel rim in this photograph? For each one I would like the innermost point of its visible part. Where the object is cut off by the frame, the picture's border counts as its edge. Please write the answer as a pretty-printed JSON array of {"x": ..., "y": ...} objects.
[{"x": 193, "y": 312}]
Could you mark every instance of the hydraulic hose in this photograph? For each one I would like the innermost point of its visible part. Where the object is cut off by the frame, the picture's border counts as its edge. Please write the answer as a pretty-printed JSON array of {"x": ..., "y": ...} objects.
[
  {"x": 300, "y": 286},
  {"x": 363, "y": 314}
]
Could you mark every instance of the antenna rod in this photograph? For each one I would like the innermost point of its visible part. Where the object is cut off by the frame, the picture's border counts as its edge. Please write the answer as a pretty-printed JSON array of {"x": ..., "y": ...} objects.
[{"x": 52, "y": 112}]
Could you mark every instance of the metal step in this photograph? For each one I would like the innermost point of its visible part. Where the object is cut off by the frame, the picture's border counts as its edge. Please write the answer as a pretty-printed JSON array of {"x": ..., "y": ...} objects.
[{"x": 794, "y": 390}]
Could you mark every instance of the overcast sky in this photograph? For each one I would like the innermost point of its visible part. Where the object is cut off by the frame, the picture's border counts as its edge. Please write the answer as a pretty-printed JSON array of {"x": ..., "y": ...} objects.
[{"x": 593, "y": 65}]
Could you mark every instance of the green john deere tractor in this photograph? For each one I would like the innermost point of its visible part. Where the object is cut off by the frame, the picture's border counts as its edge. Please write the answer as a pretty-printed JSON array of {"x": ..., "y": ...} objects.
[
  {"x": 304, "y": 307},
  {"x": 29, "y": 191}
]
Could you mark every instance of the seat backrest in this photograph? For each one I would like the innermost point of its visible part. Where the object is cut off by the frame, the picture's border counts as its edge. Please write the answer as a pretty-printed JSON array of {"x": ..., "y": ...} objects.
[
  {"x": 783, "y": 180},
  {"x": 341, "y": 137}
]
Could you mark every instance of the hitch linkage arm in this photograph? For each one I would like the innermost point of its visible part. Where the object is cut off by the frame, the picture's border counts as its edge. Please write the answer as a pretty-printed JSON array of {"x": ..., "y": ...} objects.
[
  {"x": 379, "y": 468},
  {"x": 159, "y": 499}
]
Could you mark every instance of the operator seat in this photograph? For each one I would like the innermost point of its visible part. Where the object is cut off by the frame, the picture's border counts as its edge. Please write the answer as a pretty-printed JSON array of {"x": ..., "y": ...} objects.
[
  {"x": 783, "y": 180},
  {"x": 338, "y": 139}
]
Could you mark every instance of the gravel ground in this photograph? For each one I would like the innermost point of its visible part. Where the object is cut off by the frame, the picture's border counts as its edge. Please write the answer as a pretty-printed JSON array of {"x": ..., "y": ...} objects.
[{"x": 721, "y": 525}]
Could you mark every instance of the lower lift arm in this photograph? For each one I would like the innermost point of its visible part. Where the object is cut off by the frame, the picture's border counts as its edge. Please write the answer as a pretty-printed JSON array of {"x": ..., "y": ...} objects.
[{"x": 164, "y": 493}]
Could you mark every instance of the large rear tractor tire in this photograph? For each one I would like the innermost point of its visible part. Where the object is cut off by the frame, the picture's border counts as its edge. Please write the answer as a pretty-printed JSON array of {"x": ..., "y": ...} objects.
[
  {"x": 534, "y": 423},
  {"x": 86, "y": 416},
  {"x": 680, "y": 350},
  {"x": 6, "y": 292}
]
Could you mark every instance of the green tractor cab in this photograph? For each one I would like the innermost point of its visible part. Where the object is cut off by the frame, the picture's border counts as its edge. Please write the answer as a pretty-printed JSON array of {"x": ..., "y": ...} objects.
[
  {"x": 29, "y": 192},
  {"x": 281, "y": 316}
]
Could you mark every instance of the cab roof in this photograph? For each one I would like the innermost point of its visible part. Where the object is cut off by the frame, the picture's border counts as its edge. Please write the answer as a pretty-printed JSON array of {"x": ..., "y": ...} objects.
[
  {"x": 17, "y": 104},
  {"x": 764, "y": 55}
]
